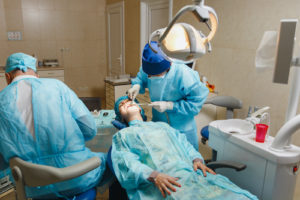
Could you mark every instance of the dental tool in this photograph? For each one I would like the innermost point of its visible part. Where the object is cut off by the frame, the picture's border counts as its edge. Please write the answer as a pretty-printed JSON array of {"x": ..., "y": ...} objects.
[{"x": 144, "y": 104}]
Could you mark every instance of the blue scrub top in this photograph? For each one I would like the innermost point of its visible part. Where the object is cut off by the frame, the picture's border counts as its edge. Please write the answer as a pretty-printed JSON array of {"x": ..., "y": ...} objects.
[
  {"x": 183, "y": 87},
  {"x": 62, "y": 124}
]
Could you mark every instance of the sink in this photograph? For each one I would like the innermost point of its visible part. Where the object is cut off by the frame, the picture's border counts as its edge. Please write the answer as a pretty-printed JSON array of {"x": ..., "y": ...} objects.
[{"x": 232, "y": 126}]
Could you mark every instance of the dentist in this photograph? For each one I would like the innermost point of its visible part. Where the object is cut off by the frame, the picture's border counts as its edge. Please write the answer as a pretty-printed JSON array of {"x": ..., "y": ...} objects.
[{"x": 176, "y": 92}]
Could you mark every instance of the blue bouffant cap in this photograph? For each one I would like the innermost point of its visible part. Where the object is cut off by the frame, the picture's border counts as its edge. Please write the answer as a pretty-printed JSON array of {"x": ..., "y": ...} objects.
[
  {"x": 20, "y": 61},
  {"x": 154, "y": 63},
  {"x": 117, "y": 111}
]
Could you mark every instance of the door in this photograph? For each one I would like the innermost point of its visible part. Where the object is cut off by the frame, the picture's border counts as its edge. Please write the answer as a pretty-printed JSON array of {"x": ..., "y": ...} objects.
[
  {"x": 116, "y": 53},
  {"x": 155, "y": 14},
  {"x": 3, "y": 83}
]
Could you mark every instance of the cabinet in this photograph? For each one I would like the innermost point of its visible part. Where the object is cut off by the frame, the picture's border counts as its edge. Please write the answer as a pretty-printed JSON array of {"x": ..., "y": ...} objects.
[
  {"x": 57, "y": 73},
  {"x": 52, "y": 73},
  {"x": 114, "y": 90}
]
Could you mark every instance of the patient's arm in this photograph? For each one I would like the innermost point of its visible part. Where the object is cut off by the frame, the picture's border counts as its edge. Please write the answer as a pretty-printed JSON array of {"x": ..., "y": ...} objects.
[
  {"x": 198, "y": 164},
  {"x": 130, "y": 172},
  {"x": 165, "y": 183}
]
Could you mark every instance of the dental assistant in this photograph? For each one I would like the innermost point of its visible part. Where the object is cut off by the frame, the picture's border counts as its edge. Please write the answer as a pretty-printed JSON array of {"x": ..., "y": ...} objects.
[
  {"x": 176, "y": 92},
  {"x": 43, "y": 121}
]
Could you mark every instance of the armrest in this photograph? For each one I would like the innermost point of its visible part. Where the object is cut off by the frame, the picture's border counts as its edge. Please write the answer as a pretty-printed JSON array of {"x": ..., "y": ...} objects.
[
  {"x": 226, "y": 164},
  {"x": 40, "y": 175},
  {"x": 225, "y": 101}
]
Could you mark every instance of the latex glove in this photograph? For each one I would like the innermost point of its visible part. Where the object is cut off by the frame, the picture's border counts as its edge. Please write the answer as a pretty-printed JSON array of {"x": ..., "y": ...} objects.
[
  {"x": 133, "y": 91},
  {"x": 162, "y": 106},
  {"x": 165, "y": 183},
  {"x": 197, "y": 164}
]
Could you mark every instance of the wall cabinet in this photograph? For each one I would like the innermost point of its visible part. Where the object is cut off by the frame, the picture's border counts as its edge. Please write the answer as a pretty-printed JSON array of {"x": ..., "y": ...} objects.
[
  {"x": 52, "y": 73},
  {"x": 43, "y": 73}
]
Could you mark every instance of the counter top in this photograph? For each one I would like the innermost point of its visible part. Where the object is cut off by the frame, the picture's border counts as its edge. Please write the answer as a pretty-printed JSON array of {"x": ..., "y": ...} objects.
[
  {"x": 2, "y": 69},
  {"x": 118, "y": 82}
]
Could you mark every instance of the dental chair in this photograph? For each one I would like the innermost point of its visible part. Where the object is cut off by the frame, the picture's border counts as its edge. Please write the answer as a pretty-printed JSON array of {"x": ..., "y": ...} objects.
[
  {"x": 117, "y": 192},
  {"x": 228, "y": 102},
  {"x": 35, "y": 175}
]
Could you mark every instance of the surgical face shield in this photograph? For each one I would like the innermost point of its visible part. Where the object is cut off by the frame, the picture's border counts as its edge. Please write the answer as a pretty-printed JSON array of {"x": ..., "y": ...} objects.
[{"x": 266, "y": 52}]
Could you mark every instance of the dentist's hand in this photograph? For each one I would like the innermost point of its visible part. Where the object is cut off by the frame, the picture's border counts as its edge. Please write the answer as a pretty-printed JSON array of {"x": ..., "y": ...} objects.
[
  {"x": 197, "y": 164},
  {"x": 165, "y": 183},
  {"x": 162, "y": 106},
  {"x": 133, "y": 91}
]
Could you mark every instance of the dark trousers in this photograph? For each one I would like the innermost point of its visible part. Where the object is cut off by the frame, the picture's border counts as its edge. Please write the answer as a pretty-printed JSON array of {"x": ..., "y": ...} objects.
[{"x": 116, "y": 192}]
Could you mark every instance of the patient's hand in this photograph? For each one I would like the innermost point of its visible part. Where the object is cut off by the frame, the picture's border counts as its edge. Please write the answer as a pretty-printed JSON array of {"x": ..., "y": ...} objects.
[
  {"x": 197, "y": 164},
  {"x": 165, "y": 183}
]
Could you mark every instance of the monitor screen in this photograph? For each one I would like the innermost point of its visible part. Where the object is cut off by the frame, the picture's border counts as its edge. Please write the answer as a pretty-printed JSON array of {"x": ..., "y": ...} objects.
[{"x": 284, "y": 51}]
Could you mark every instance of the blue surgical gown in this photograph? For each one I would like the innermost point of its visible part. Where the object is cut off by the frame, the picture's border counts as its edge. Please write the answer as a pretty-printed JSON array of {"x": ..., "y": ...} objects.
[
  {"x": 62, "y": 124},
  {"x": 183, "y": 87},
  {"x": 147, "y": 146}
]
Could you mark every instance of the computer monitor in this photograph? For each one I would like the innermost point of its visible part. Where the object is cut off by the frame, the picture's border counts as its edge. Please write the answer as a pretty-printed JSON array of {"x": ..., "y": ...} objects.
[{"x": 284, "y": 51}]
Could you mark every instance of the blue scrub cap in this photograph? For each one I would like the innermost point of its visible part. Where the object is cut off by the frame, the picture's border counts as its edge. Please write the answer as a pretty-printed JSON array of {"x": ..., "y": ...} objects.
[
  {"x": 154, "y": 63},
  {"x": 117, "y": 111},
  {"x": 20, "y": 61}
]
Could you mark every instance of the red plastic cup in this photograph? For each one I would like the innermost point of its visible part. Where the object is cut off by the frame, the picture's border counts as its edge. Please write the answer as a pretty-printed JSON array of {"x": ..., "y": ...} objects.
[{"x": 261, "y": 131}]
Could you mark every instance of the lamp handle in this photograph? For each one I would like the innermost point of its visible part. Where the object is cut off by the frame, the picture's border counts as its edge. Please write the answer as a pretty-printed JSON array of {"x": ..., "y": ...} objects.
[
  {"x": 195, "y": 9},
  {"x": 155, "y": 34}
]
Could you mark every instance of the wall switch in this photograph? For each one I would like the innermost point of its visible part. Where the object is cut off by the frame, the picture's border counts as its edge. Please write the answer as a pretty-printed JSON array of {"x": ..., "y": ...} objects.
[{"x": 14, "y": 35}]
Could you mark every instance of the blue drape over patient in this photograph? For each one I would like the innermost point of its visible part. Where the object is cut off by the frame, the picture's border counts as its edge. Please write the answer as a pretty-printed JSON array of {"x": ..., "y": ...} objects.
[
  {"x": 147, "y": 146},
  {"x": 62, "y": 124}
]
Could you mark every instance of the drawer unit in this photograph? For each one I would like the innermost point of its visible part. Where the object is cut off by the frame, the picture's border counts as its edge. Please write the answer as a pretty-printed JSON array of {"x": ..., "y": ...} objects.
[
  {"x": 51, "y": 73},
  {"x": 113, "y": 92}
]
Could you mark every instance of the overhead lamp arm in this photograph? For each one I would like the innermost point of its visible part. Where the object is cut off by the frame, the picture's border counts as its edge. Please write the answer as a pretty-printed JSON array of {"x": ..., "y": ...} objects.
[
  {"x": 200, "y": 12},
  {"x": 199, "y": 2}
]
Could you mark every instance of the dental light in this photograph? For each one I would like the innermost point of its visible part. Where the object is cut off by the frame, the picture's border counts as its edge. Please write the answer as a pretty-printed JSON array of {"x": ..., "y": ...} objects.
[{"x": 181, "y": 41}]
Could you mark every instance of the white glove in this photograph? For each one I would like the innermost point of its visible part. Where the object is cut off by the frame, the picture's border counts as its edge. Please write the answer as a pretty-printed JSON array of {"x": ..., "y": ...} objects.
[
  {"x": 133, "y": 91},
  {"x": 162, "y": 106}
]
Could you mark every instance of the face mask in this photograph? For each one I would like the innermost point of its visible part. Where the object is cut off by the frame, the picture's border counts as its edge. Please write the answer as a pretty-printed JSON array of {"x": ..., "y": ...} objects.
[{"x": 157, "y": 77}]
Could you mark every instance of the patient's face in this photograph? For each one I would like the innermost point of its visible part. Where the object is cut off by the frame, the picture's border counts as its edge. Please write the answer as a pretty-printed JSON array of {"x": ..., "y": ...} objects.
[{"x": 127, "y": 108}]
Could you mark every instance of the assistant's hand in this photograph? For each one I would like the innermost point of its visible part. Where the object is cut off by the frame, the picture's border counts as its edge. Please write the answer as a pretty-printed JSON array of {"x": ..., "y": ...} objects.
[
  {"x": 162, "y": 106},
  {"x": 133, "y": 91},
  {"x": 165, "y": 183},
  {"x": 197, "y": 164}
]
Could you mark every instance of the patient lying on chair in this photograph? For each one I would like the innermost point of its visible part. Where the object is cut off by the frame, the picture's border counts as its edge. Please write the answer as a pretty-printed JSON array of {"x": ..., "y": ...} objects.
[{"x": 152, "y": 160}]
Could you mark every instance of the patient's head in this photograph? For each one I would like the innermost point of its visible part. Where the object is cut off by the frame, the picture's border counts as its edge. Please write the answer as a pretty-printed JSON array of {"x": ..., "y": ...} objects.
[{"x": 126, "y": 110}]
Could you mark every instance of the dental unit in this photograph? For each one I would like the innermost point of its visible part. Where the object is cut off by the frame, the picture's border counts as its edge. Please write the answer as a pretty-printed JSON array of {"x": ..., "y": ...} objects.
[{"x": 272, "y": 166}]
